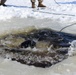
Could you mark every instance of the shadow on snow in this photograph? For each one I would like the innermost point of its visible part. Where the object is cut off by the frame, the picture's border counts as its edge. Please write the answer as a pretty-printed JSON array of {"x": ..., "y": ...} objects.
[
  {"x": 73, "y": 2},
  {"x": 18, "y": 6}
]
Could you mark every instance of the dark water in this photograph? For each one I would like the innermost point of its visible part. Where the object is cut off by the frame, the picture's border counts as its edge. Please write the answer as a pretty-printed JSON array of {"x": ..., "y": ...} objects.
[
  {"x": 52, "y": 36},
  {"x": 42, "y": 39},
  {"x": 67, "y": 37}
]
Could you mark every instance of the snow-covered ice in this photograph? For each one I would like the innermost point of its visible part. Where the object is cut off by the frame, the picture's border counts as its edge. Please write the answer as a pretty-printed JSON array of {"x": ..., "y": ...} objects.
[{"x": 62, "y": 12}]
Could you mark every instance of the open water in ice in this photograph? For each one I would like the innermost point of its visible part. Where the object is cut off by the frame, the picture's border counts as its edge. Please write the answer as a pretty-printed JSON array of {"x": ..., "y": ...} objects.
[{"x": 8, "y": 67}]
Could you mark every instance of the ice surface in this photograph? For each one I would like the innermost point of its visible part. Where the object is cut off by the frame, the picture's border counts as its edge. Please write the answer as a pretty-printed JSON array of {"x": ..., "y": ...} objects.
[
  {"x": 22, "y": 9},
  {"x": 8, "y": 67}
]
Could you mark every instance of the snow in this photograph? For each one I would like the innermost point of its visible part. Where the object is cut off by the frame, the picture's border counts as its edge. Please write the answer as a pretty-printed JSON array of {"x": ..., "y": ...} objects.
[
  {"x": 18, "y": 16},
  {"x": 72, "y": 49},
  {"x": 64, "y": 14},
  {"x": 22, "y": 9}
]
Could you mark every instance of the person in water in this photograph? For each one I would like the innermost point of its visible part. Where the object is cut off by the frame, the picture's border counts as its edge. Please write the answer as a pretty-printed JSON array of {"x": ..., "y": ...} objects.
[{"x": 39, "y": 3}]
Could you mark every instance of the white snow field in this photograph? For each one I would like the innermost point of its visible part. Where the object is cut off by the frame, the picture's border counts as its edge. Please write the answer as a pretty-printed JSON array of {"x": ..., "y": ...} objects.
[
  {"x": 19, "y": 16},
  {"x": 60, "y": 12},
  {"x": 63, "y": 12}
]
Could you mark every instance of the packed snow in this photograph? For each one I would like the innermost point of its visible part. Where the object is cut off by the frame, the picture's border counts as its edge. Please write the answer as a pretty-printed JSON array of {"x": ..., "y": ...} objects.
[
  {"x": 19, "y": 16},
  {"x": 56, "y": 11},
  {"x": 60, "y": 11}
]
